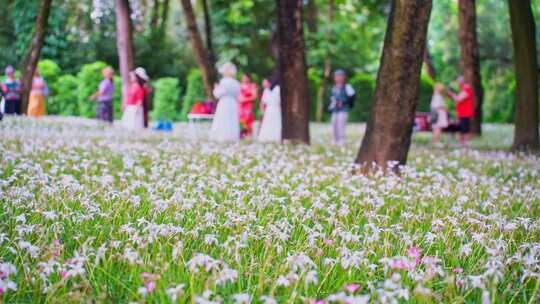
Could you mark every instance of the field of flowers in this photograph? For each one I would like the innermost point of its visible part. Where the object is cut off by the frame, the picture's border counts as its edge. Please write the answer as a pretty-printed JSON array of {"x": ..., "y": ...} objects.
[{"x": 99, "y": 215}]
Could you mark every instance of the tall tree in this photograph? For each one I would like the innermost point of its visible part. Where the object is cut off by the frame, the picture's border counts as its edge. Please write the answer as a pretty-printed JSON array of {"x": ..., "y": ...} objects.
[
  {"x": 295, "y": 98},
  {"x": 208, "y": 31},
  {"x": 124, "y": 41},
  {"x": 430, "y": 66},
  {"x": 327, "y": 62},
  {"x": 204, "y": 60},
  {"x": 470, "y": 58},
  {"x": 34, "y": 52},
  {"x": 312, "y": 16},
  {"x": 526, "y": 62},
  {"x": 390, "y": 123}
]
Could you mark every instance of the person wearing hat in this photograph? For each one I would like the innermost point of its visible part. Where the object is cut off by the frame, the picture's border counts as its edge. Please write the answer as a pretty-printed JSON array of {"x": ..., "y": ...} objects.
[
  {"x": 12, "y": 91},
  {"x": 341, "y": 101},
  {"x": 148, "y": 93},
  {"x": 104, "y": 96}
]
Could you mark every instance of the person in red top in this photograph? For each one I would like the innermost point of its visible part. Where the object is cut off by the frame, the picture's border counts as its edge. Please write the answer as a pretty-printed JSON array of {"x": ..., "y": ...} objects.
[
  {"x": 246, "y": 111},
  {"x": 464, "y": 109},
  {"x": 133, "y": 117}
]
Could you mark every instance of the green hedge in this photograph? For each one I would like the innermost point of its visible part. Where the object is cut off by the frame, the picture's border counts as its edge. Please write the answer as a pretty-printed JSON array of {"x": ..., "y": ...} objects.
[
  {"x": 166, "y": 99},
  {"x": 194, "y": 92}
]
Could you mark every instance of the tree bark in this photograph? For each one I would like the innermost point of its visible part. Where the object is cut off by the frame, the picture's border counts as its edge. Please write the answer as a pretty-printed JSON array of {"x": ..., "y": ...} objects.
[
  {"x": 526, "y": 62},
  {"x": 154, "y": 21},
  {"x": 208, "y": 31},
  {"x": 470, "y": 58},
  {"x": 207, "y": 67},
  {"x": 327, "y": 70},
  {"x": 295, "y": 98},
  {"x": 389, "y": 128},
  {"x": 311, "y": 18},
  {"x": 32, "y": 58},
  {"x": 124, "y": 43}
]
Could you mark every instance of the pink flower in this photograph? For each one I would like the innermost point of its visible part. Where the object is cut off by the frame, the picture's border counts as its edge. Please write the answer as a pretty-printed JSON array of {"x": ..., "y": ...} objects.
[
  {"x": 64, "y": 274},
  {"x": 150, "y": 286},
  {"x": 56, "y": 242},
  {"x": 457, "y": 270},
  {"x": 414, "y": 252},
  {"x": 329, "y": 242},
  {"x": 460, "y": 282},
  {"x": 430, "y": 260},
  {"x": 401, "y": 264},
  {"x": 352, "y": 288},
  {"x": 317, "y": 302}
]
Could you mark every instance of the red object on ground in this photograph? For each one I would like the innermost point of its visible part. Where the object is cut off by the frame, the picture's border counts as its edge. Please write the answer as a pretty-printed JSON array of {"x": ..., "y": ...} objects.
[{"x": 199, "y": 108}]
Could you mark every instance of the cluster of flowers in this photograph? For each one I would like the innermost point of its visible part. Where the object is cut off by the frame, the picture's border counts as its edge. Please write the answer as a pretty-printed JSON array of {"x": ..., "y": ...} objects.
[{"x": 91, "y": 212}]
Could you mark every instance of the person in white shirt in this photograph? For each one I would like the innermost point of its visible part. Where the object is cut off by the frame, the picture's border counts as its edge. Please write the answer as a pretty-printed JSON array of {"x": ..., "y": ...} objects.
[
  {"x": 226, "y": 125},
  {"x": 270, "y": 130}
]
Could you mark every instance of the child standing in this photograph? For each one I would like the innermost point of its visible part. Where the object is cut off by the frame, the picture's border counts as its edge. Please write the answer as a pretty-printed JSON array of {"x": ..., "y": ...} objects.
[{"x": 341, "y": 101}]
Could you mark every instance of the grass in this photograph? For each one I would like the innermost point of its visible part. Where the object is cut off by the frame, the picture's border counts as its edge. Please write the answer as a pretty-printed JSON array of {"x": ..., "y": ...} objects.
[{"x": 96, "y": 214}]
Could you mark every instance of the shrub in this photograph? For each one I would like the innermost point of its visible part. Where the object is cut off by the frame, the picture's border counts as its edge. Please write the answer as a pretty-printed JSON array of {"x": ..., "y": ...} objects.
[
  {"x": 426, "y": 92},
  {"x": 88, "y": 81},
  {"x": 314, "y": 87},
  {"x": 50, "y": 71},
  {"x": 65, "y": 100},
  {"x": 364, "y": 85},
  {"x": 499, "y": 96},
  {"x": 117, "y": 97},
  {"x": 194, "y": 92},
  {"x": 166, "y": 99}
]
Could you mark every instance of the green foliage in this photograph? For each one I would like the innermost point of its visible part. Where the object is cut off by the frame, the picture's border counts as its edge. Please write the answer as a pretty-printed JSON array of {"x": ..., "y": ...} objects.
[
  {"x": 88, "y": 82},
  {"x": 499, "y": 96},
  {"x": 194, "y": 92},
  {"x": 364, "y": 85},
  {"x": 166, "y": 99},
  {"x": 64, "y": 102},
  {"x": 426, "y": 92},
  {"x": 314, "y": 87},
  {"x": 117, "y": 97}
]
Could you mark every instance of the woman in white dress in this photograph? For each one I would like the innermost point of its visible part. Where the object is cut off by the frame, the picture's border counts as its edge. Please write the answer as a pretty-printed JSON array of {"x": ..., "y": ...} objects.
[
  {"x": 439, "y": 113},
  {"x": 226, "y": 126},
  {"x": 133, "y": 117},
  {"x": 270, "y": 130}
]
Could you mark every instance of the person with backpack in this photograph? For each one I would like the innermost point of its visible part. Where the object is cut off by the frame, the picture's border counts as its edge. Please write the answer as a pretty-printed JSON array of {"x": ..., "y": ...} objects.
[{"x": 341, "y": 102}]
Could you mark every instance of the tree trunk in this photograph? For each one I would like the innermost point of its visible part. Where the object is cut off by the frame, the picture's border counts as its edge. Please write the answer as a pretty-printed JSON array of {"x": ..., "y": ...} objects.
[
  {"x": 311, "y": 18},
  {"x": 124, "y": 43},
  {"x": 32, "y": 58},
  {"x": 295, "y": 99},
  {"x": 208, "y": 31},
  {"x": 389, "y": 128},
  {"x": 327, "y": 64},
  {"x": 524, "y": 38},
  {"x": 430, "y": 67},
  {"x": 154, "y": 21},
  {"x": 470, "y": 58},
  {"x": 207, "y": 67}
]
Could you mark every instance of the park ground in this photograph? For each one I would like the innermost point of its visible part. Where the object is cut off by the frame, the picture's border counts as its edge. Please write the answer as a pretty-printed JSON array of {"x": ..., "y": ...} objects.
[{"x": 90, "y": 213}]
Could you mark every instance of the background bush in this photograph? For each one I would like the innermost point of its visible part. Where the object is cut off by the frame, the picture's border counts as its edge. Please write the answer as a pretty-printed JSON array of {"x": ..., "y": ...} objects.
[
  {"x": 88, "y": 82},
  {"x": 65, "y": 100},
  {"x": 166, "y": 99},
  {"x": 364, "y": 85},
  {"x": 194, "y": 92}
]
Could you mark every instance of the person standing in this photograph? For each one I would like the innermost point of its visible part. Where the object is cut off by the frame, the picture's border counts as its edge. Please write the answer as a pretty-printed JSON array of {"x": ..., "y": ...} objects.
[
  {"x": 104, "y": 96},
  {"x": 270, "y": 130},
  {"x": 439, "y": 113},
  {"x": 341, "y": 101},
  {"x": 248, "y": 93},
  {"x": 12, "y": 91},
  {"x": 148, "y": 93},
  {"x": 133, "y": 117},
  {"x": 464, "y": 109},
  {"x": 226, "y": 126},
  {"x": 36, "y": 102}
]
